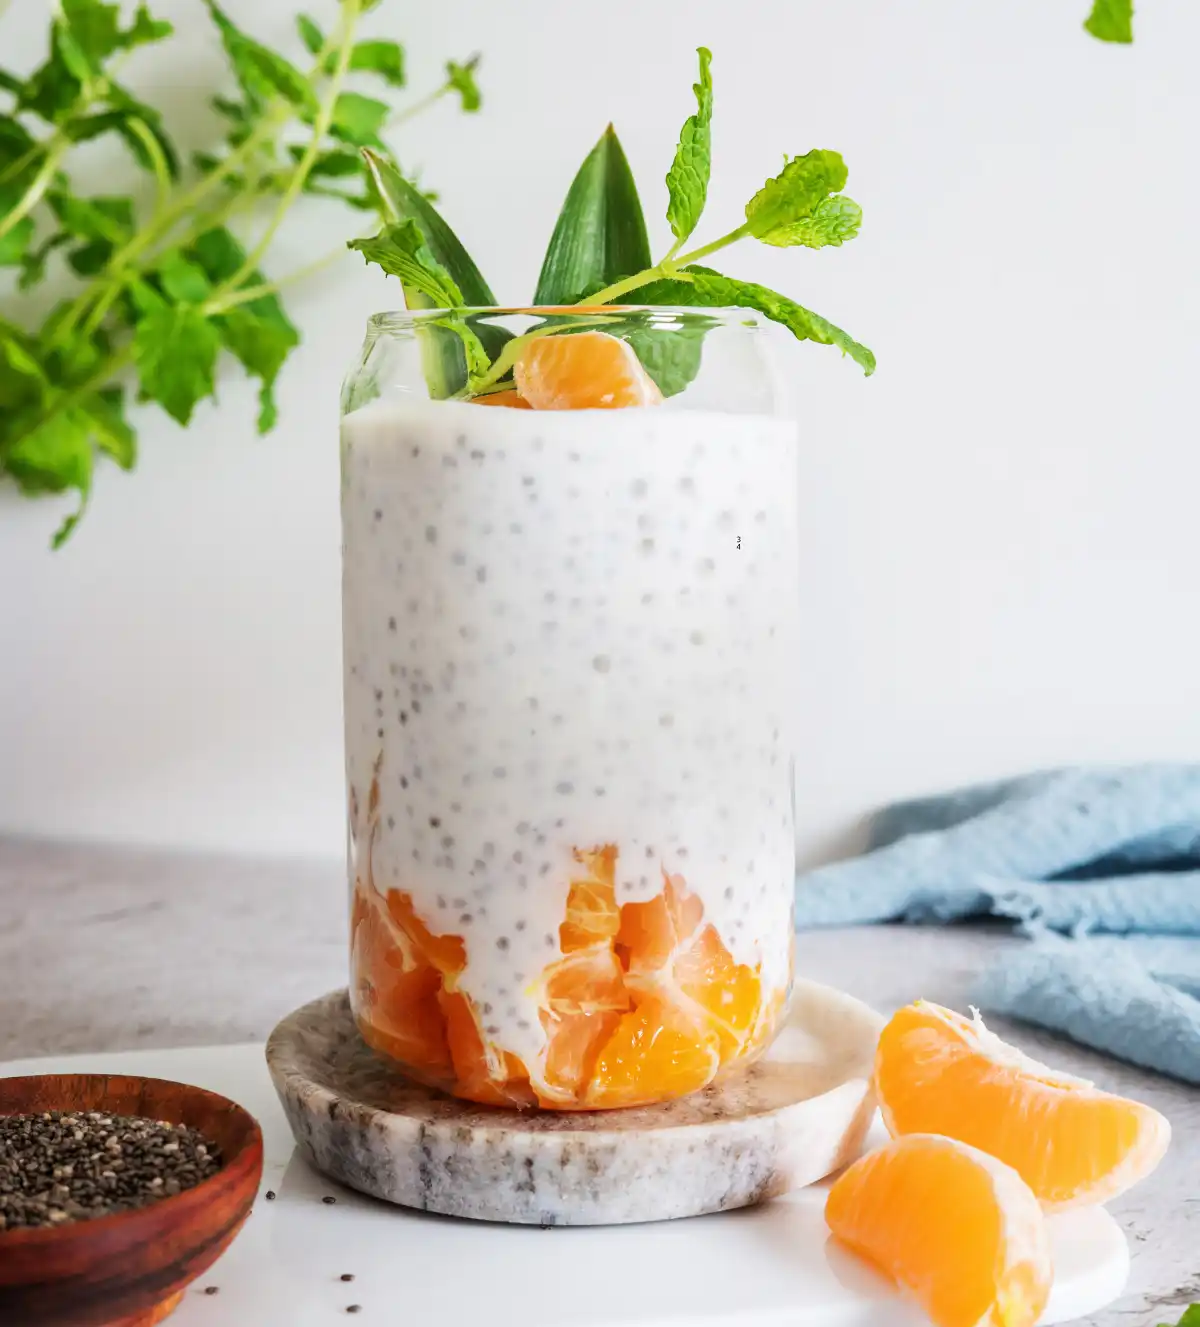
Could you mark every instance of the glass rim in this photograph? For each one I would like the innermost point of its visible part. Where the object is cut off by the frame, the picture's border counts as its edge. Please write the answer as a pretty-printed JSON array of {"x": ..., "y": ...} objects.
[{"x": 726, "y": 315}]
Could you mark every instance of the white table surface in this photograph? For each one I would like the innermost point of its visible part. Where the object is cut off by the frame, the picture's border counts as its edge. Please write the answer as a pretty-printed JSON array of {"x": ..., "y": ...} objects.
[{"x": 107, "y": 949}]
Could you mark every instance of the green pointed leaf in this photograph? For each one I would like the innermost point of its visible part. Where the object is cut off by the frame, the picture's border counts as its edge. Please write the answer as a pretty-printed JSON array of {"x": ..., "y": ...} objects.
[
  {"x": 600, "y": 235},
  {"x": 462, "y": 79},
  {"x": 1112, "y": 20},
  {"x": 795, "y": 192},
  {"x": 832, "y": 222},
  {"x": 311, "y": 35},
  {"x": 687, "y": 180},
  {"x": 403, "y": 202},
  {"x": 704, "y": 288}
]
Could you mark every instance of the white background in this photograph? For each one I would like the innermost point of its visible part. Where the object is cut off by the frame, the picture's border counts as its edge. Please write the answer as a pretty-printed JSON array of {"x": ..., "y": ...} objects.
[{"x": 1001, "y": 555}]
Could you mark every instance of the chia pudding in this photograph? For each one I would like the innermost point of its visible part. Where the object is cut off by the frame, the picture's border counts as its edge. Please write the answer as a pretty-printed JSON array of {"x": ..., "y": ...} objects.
[{"x": 569, "y": 638}]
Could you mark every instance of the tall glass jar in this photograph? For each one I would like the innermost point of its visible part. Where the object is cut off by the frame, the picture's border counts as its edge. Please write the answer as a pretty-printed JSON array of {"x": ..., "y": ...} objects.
[{"x": 569, "y": 649}]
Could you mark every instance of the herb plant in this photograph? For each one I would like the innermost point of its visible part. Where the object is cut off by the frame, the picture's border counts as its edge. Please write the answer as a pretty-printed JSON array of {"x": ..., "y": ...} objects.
[
  {"x": 169, "y": 287},
  {"x": 599, "y": 253}
]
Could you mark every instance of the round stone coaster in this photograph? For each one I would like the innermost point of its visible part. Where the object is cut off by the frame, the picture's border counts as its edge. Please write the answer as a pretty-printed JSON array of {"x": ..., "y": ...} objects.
[{"x": 799, "y": 1113}]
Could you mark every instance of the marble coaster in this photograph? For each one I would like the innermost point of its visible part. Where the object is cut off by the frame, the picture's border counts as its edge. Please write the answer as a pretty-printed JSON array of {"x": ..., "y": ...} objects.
[{"x": 793, "y": 1117}]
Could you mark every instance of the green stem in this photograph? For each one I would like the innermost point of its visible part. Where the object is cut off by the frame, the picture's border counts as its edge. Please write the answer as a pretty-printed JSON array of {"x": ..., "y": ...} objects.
[
  {"x": 162, "y": 173},
  {"x": 311, "y": 152},
  {"x": 33, "y": 195},
  {"x": 668, "y": 267},
  {"x": 249, "y": 293},
  {"x": 418, "y": 107}
]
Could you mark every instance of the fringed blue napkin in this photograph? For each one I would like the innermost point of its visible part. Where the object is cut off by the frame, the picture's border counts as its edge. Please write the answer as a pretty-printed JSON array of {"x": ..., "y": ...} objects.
[{"x": 1072, "y": 855}]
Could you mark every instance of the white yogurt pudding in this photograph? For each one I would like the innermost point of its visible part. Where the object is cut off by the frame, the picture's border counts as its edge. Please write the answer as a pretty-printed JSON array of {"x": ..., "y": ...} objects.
[{"x": 565, "y": 630}]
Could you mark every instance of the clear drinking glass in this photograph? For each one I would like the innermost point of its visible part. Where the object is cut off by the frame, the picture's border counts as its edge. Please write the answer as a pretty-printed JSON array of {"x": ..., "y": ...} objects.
[{"x": 569, "y": 649}]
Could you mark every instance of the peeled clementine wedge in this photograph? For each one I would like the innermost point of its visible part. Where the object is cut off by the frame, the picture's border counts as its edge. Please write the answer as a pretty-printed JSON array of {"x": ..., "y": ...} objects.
[
  {"x": 938, "y": 1072},
  {"x": 512, "y": 399},
  {"x": 656, "y": 1052},
  {"x": 583, "y": 371},
  {"x": 961, "y": 1231}
]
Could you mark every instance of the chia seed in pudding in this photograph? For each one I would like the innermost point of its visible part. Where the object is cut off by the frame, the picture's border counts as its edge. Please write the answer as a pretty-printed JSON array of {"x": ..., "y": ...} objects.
[{"x": 609, "y": 666}]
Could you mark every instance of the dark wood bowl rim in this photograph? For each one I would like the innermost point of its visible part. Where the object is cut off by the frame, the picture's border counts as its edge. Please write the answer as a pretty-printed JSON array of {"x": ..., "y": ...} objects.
[{"x": 238, "y": 1172}]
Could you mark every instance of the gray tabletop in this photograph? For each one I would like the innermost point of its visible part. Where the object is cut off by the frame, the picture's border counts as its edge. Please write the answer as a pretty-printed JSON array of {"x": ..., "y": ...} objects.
[{"x": 107, "y": 949}]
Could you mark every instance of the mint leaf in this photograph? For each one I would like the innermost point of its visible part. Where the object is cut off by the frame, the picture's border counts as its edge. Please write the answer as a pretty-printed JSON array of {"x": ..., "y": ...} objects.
[
  {"x": 709, "y": 289},
  {"x": 11, "y": 84},
  {"x": 111, "y": 431},
  {"x": 385, "y": 58},
  {"x": 332, "y": 165},
  {"x": 258, "y": 333},
  {"x": 600, "y": 235},
  {"x": 795, "y": 192},
  {"x": 687, "y": 180},
  {"x": 401, "y": 201},
  {"x": 175, "y": 348},
  {"x": 671, "y": 358},
  {"x": 311, "y": 35},
  {"x": 186, "y": 282},
  {"x": 94, "y": 27},
  {"x": 261, "y": 337},
  {"x": 14, "y": 245},
  {"x": 462, "y": 79},
  {"x": 96, "y": 218},
  {"x": 833, "y": 221},
  {"x": 1112, "y": 20},
  {"x": 401, "y": 251},
  {"x": 261, "y": 72},
  {"x": 33, "y": 265},
  {"x": 145, "y": 30},
  {"x": 358, "y": 119},
  {"x": 51, "y": 457}
]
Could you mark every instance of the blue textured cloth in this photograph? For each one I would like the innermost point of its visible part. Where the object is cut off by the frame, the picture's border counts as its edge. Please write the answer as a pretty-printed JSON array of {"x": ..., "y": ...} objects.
[{"x": 1100, "y": 866}]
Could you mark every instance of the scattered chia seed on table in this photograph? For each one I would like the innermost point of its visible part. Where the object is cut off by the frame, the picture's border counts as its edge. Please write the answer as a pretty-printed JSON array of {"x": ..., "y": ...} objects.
[{"x": 59, "y": 1167}]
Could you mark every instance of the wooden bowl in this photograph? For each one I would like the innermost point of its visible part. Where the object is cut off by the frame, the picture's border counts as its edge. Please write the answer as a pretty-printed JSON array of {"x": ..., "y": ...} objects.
[{"x": 129, "y": 1269}]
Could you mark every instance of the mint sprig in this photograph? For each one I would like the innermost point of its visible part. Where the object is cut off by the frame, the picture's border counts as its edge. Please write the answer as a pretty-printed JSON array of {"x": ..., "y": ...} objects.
[
  {"x": 1191, "y": 1318},
  {"x": 167, "y": 291}
]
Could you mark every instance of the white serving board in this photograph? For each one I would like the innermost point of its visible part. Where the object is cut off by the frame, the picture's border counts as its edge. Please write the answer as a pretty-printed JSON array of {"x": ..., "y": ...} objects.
[{"x": 770, "y": 1266}]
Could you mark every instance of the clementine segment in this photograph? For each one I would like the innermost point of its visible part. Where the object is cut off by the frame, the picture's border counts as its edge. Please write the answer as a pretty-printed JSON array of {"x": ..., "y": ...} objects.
[
  {"x": 938, "y": 1072},
  {"x": 573, "y": 1042},
  {"x": 727, "y": 991},
  {"x": 959, "y": 1229},
  {"x": 510, "y": 398},
  {"x": 583, "y": 371},
  {"x": 592, "y": 916},
  {"x": 657, "y": 1052}
]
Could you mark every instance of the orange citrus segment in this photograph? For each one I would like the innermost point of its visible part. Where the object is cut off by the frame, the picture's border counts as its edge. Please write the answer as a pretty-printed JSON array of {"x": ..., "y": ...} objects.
[
  {"x": 583, "y": 371},
  {"x": 587, "y": 981},
  {"x": 513, "y": 399},
  {"x": 396, "y": 992},
  {"x": 656, "y": 1053},
  {"x": 573, "y": 1042},
  {"x": 592, "y": 916},
  {"x": 959, "y": 1229},
  {"x": 727, "y": 991},
  {"x": 651, "y": 932},
  {"x": 482, "y": 1073},
  {"x": 938, "y": 1072},
  {"x": 447, "y": 953}
]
